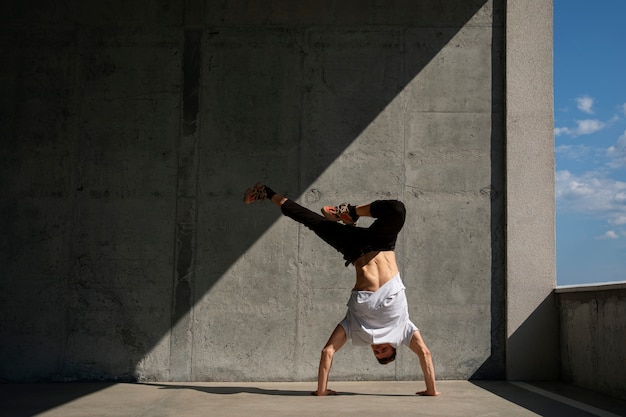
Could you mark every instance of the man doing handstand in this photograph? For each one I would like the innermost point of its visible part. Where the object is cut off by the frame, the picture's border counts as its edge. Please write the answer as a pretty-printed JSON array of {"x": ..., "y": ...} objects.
[{"x": 377, "y": 310}]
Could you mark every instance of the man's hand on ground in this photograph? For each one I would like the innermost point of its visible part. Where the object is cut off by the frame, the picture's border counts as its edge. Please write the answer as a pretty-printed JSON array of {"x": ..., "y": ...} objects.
[
  {"x": 426, "y": 393},
  {"x": 324, "y": 393}
]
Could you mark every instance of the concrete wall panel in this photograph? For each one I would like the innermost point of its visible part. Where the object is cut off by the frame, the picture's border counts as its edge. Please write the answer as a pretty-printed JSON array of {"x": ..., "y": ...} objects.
[
  {"x": 530, "y": 222},
  {"x": 592, "y": 334},
  {"x": 132, "y": 132}
]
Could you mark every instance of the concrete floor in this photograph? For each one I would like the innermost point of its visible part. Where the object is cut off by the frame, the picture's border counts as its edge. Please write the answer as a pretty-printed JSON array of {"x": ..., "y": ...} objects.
[{"x": 459, "y": 398}]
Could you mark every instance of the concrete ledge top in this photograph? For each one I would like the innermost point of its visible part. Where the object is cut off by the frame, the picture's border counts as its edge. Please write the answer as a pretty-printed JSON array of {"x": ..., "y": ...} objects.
[{"x": 602, "y": 286}]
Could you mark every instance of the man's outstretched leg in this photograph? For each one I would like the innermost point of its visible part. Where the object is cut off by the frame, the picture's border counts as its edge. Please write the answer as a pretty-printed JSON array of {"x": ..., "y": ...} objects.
[
  {"x": 288, "y": 207},
  {"x": 344, "y": 212},
  {"x": 343, "y": 238},
  {"x": 352, "y": 242}
]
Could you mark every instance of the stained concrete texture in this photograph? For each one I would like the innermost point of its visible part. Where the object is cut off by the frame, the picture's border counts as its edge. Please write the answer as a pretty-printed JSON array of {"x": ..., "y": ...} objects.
[
  {"x": 133, "y": 127},
  {"x": 363, "y": 399},
  {"x": 593, "y": 336}
]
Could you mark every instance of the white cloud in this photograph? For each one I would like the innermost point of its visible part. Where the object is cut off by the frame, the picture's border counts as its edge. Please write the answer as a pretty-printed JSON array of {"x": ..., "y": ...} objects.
[
  {"x": 609, "y": 235},
  {"x": 619, "y": 220},
  {"x": 592, "y": 193},
  {"x": 617, "y": 153},
  {"x": 562, "y": 131},
  {"x": 584, "y": 127},
  {"x": 624, "y": 108},
  {"x": 588, "y": 126},
  {"x": 585, "y": 104},
  {"x": 573, "y": 152}
]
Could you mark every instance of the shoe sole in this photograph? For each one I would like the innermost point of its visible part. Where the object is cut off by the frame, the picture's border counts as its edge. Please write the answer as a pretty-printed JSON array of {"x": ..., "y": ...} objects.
[
  {"x": 247, "y": 196},
  {"x": 335, "y": 218}
]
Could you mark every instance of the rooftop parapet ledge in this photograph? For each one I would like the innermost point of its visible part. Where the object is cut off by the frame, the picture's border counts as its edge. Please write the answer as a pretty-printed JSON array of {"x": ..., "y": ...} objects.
[{"x": 599, "y": 286}]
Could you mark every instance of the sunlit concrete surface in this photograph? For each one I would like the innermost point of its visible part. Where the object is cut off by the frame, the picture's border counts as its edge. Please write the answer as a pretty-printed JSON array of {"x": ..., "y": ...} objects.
[{"x": 458, "y": 398}]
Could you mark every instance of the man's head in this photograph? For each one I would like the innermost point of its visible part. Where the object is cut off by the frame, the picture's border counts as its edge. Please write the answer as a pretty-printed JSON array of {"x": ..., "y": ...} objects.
[{"x": 385, "y": 353}]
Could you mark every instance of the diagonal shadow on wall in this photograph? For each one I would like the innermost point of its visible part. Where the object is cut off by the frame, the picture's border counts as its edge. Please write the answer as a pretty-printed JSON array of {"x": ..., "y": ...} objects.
[
  {"x": 254, "y": 92},
  {"x": 293, "y": 101}
]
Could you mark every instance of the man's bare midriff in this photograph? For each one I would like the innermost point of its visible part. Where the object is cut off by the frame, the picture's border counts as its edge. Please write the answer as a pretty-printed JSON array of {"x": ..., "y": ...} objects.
[{"x": 374, "y": 269}]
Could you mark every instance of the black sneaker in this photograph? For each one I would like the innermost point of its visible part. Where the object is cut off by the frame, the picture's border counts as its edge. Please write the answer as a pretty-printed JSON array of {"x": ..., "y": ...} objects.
[
  {"x": 339, "y": 213},
  {"x": 256, "y": 193}
]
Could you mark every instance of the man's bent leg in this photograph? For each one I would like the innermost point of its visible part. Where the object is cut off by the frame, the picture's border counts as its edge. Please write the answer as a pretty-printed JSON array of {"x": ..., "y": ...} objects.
[
  {"x": 344, "y": 239},
  {"x": 339, "y": 236},
  {"x": 390, "y": 216}
]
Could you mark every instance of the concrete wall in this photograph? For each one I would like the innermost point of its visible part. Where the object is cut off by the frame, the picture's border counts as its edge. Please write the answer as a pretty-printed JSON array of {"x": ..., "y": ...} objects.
[
  {"x": 593, "y": 333},
  {"x": 131, "y": 129},
  {"x": 530, "y": 211}
]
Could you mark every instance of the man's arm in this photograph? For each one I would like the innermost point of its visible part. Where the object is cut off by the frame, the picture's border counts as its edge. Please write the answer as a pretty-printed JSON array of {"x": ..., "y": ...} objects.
[
  {"x": 426, "y": 362},
  {"x": 336, "y": 341}
]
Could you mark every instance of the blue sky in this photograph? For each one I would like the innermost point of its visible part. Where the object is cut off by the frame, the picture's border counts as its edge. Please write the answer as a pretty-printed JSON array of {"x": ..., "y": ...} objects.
[{"x": 590, "y": 140}]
